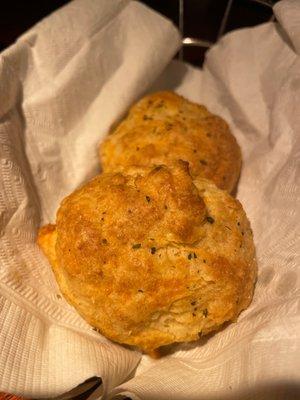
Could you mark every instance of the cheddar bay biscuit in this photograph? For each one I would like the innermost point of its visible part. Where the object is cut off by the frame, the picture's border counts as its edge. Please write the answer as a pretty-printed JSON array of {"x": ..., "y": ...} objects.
[
  {"x": 151, "y": 256},
  {"x": 163, "y": 127}
]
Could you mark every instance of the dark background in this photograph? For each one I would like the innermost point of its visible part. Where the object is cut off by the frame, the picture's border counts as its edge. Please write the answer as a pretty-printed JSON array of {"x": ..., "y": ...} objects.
[{"x": 202, "y": 18}]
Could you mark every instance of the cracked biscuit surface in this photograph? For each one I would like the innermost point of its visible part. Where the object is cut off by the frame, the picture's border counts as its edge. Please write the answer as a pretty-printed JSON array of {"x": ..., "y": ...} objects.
[
  {"x": 151, "y": 257},
  {"x": 163, "y": 127}
]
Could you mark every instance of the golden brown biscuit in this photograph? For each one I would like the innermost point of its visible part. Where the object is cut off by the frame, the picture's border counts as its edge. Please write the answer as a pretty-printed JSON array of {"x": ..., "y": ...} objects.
[
  {"x": 150, "y": 257},
  {"x": 164, "y": 127}
]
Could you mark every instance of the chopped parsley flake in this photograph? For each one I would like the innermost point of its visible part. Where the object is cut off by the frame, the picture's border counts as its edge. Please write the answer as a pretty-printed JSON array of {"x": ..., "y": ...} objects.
[
  {"x": 153, "y": 250},
  {"x": 192, "y": 255}
]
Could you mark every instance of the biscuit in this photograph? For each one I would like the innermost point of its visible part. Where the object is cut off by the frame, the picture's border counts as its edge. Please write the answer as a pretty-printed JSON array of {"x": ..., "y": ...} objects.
[
  {"x": 151, "y": 256},
  {"x": 164, "y": 127}
]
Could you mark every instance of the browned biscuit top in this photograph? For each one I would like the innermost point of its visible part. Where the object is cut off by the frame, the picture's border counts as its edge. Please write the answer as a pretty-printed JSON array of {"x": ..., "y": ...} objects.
[
  {"x": 163, "y": 127},
  {"x": 151, "y": 257}
]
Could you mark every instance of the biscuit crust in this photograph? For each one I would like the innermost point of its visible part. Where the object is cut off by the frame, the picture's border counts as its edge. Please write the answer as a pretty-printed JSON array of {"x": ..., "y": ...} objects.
[
  {"x": 151, "y": 257},
  {"x": 163, "y": 127}
]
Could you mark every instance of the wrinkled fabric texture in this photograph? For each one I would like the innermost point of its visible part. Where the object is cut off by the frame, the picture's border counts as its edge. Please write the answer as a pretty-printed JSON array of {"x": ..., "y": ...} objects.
[{"x": 60, "y": 94}]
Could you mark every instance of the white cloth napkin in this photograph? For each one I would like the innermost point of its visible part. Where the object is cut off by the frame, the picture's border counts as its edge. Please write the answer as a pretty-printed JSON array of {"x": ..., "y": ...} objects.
[{"x": 61, "y": 87}]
